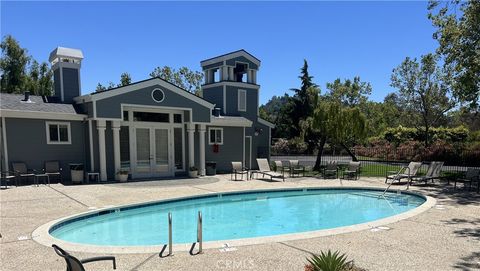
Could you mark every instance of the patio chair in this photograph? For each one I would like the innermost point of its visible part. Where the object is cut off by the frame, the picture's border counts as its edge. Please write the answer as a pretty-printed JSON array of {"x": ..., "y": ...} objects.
[
  {"x": 237, "y": 168},
  {"x": 74, "y": 264},
  {"x": 352, "y": 172},
  {"x": 472, "y": 175},
  {"x": 296, "y": 168},
  {"x": 264, "y": 169},
  {"x": 7, "y": 177},
  {"x": 331, "y": 169},
  {"x": 52, "y": 168},
  {"x": 433, "y": 172},
  {"x": 22, "y": 172},
  {"x": 404, "y": 173},
  {"x": 279, "y": 167}
]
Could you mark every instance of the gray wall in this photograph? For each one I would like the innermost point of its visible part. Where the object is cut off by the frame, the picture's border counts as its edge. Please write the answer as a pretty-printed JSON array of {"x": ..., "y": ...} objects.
[
  {"x": 27, "y": 142},
  {"x": 110, "y": 107},
  {"x": 252, "y": 103},
  {"x": 56, "y": 85},
  {"x": 214, "y": 95},
  {"x": 71, "y": 87},
  {"x": 231, "y": 150}
]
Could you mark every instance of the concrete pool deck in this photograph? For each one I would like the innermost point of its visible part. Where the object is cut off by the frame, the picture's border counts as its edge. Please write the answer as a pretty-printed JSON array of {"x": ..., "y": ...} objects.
[{"x": 445, "y": 237}]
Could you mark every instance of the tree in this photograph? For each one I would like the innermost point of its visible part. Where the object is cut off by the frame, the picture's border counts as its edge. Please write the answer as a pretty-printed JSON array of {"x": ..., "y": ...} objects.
[
  {"x": 423, "y": 90},
  {"x": 183, "y": 78},
  {"x": 39, "y": 79},
  {"x": 349, "y": 93},
  {"x": 13, "y": 65},
  {"x": 337, "y": 124},
  {"x": 125, "y": 79},
  {"x": 459, "y": 40},
  {"x": 304, "y": 99}
]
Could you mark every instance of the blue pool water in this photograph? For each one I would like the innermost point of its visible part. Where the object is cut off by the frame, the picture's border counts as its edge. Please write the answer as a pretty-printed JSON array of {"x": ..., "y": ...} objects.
[{"x": 234, "y": 216}]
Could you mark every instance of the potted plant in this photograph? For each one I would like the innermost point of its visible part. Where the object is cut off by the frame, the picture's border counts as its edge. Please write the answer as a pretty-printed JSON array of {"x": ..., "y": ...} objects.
[
  {"x": 122, "y": 175},
  {"x": 193, "y": 172}
]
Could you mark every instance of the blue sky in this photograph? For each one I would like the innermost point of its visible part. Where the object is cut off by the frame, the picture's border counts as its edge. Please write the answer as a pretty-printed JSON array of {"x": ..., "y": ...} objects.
[{"x": 339, "y": 39}]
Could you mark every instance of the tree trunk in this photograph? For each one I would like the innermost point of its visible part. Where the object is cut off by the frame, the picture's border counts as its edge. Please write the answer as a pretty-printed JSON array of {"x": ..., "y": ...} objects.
[
  {"x": 318, "y": 162},
  {"x": 354, "y": 158}
]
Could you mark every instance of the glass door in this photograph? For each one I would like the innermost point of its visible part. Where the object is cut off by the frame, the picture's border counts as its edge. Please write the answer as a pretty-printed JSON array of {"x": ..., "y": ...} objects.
[
  {"x": 143, "y": 151},
  {"x": 162, "y": 152}
]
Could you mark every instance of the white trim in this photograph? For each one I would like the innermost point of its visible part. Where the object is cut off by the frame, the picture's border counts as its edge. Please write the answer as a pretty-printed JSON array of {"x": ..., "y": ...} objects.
[
  {"x": 58, "y": 123},
  {"x": 231, "y": 83},
  {"x": 101, "y": 127},
  {"x": 163, "y": 93},
  {"x": 243, "y": 158},
  {"x": 244, "y": 92},
  {"x": 90, "y": 136},
  {"x": 201, "y": 166},
  {"x": 221, "y": 138},
  {"x": 266, "y": 123},
  {"x": 229, "y": 56},
  {"x": 4, "y": 137},
  {"x": 41, "y": 115},
  {"x": 94, "y": 104},
  {"x": 225, "y": 99},
  {"x": 145, "y": 84},
  {"x": 116, "y": 147},
  {"x": 191, "y": 145}
]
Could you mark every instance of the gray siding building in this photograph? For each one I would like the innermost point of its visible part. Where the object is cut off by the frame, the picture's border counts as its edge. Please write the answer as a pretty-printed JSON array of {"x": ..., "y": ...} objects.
[{"x": 150, "y": 128}]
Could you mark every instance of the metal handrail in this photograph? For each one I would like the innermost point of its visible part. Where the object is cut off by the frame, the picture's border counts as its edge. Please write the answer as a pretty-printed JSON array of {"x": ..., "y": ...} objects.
[
  {"x": 170, "y": 249},
  {"x": 199, "y": 232},
  {"x": 396, "y": 178}
]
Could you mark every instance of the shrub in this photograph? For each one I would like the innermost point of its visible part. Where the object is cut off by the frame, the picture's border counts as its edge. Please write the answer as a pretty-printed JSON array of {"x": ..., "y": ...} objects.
[{"x": 327, "y": 262}]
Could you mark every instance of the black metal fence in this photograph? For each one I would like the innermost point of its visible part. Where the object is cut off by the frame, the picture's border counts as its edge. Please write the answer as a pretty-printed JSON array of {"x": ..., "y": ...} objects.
[{"x": 378, "y": 161}]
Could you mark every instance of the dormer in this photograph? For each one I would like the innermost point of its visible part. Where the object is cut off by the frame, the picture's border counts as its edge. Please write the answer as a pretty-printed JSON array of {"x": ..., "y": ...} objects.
[{"x": 238, "y": 66}]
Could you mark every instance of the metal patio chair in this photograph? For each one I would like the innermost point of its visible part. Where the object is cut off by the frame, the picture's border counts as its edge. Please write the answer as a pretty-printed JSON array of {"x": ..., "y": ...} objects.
[
  {"x": 74, "y": 264},
  {"x": 352, "y": 172},
  {"x": 22, "y": 172},
  {"x": 238, "y": 168},
  {"x": 52, "y": 168}
]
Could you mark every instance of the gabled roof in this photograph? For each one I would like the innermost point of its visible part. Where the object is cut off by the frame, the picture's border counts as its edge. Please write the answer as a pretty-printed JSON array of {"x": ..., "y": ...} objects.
[
  {"x": 230, "y": 55},
  {"x": 142, "y": 84}
]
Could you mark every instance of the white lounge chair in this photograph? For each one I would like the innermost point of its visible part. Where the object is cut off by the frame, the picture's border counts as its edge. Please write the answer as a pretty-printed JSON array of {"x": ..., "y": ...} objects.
[
  {"x": 433, "y": 172},
  {"x": 407, "y": 172},
  {"x": 264, "y": 169},
  {"x": 237, "y": 168}
]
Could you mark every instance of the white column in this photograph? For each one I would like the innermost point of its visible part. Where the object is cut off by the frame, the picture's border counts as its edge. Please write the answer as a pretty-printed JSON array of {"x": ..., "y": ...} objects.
[
  {"x": 116, "y": 146},
  {"x": 201, "y": 166},
  {"x": 224, "y": 73},
  {"x": 191, "y": 145},
  {"x": 230, "y": 74},
  {"x": 254, "y": 76},
  {"x": 207, "y": 76},
  {"x": 249, "y": 76},
  {"x": 101, "y": 125}
]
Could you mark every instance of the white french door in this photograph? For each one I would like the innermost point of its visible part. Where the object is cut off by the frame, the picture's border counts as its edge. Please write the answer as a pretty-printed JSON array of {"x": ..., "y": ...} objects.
[{"x": 153, "y": 152}]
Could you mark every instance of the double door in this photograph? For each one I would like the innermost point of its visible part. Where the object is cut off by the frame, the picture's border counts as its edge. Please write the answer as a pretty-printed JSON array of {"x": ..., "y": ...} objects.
[{"x": 153, "y": 152}]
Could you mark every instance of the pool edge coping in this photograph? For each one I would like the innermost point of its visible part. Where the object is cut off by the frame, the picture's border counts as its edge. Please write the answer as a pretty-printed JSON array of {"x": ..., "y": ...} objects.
[{"x": 42, "y": 234}]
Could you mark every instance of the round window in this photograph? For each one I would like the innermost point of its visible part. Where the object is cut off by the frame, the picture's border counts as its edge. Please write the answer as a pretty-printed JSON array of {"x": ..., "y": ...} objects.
[{"x": 158, "y": 95}]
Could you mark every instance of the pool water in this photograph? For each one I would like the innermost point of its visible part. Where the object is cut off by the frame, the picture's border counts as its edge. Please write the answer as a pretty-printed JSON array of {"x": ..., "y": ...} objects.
[{"x": 234, "y": 216}]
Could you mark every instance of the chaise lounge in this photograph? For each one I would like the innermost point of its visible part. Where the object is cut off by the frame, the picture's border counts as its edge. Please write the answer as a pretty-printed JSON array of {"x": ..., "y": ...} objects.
[
  {"x": 433, "y": 172},
  {"x": 264, "y": 169},
  {"x": 407, "y": 172}
]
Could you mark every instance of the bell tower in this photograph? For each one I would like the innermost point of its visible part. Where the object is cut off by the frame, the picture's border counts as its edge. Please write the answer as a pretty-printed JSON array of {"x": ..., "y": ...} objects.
[{"x": 66, "y": 63}]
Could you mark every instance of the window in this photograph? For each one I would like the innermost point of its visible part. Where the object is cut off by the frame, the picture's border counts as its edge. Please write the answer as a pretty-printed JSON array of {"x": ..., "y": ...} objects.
[
  {"x": 151, "y": 117},
  {"x": 242, "y": 100},
  {"x": 215, "y": 136},
  {"x": 58, "y": 133},
  {"x": 125, "y": 115},
  {"x": 177, "y": 118}
]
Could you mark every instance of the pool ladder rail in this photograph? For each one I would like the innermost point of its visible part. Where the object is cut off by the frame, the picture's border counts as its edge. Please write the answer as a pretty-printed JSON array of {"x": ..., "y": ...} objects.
[
  {"x": 170, "y": 239},
  {"x": 397, "y": 178}
]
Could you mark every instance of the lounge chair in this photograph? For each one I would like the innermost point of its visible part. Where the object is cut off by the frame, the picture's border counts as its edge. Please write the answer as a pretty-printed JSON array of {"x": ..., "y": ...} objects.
[
  {"x": 74, "y": 264},
  {"x": 6, "y": 177},
  {"x": 405, "y": 172},
  {"x": 264, "y": 169},
  {"x": 52, "y": 168},
  {"x": 22, "y": 172},
  {"x": 433, "y": 172},
  {"x": 331, "y": 169},
  {"x": 352, "y": 172},
  {"x": 296, "y": 168},
  {"x": 237, "y": 168},
  {"x": 472, "y": 175},
  {"x": 279, "y": 167}
]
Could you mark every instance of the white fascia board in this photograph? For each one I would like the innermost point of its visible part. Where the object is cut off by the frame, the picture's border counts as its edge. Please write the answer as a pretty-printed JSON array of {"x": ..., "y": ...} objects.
[
  {"x": 266, "y": 123},
  {"x": 147, "y": 83},
  {"x": 41, "y": 115},
  {"x": 232, "y": 83},
  {"x": 230, "y": 56}
]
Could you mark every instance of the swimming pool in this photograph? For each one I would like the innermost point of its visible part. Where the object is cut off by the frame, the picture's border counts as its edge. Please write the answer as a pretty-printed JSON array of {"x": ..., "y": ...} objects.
[{"x": 237, "y": 215}]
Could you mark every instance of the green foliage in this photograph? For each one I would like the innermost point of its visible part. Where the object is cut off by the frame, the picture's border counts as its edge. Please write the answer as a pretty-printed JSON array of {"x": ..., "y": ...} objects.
[
  {"x": 125, "y": 79},
  {"x": 402, "y": 134},
  {"x": 423, "y": 91},
  {"x": 20, "y": 72},
  {"x": 458, "y": 33},
  {"x": 349, "y": 93},
  {"x": 328, "y": 261},
  {"x": 183, "y": 78}
]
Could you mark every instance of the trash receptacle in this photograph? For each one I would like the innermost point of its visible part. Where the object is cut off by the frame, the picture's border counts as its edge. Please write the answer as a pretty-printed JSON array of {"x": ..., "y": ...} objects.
[
  {"x": 211, "y": 168},
  {"x": 76, "y": 171}
]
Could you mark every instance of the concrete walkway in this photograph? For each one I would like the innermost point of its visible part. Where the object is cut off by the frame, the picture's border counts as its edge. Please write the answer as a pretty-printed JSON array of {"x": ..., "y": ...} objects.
[{"x": 446, "y": 237}]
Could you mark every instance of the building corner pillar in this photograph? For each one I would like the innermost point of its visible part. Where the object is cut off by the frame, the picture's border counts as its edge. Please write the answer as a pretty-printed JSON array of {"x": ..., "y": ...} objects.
[
  {"x": 201, "y": 166},
  {"x": 101, "y": 126},
  {"x": 116, "y": 146}
]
